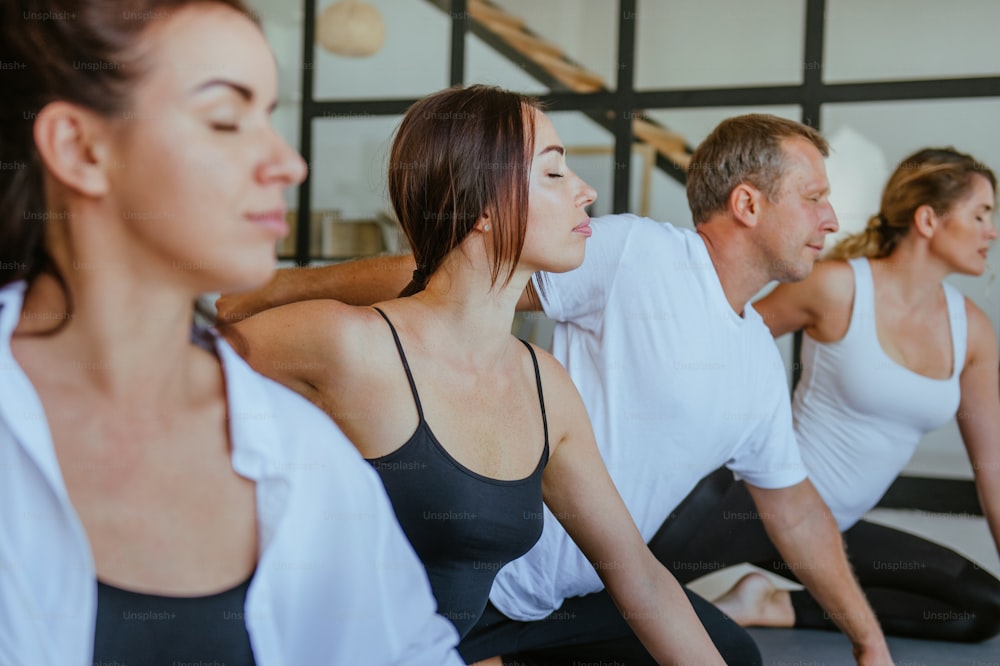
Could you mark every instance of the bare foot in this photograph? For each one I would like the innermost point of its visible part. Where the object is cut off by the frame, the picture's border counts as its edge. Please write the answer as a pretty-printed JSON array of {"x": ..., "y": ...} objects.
[{"x": 756, "y": 602}]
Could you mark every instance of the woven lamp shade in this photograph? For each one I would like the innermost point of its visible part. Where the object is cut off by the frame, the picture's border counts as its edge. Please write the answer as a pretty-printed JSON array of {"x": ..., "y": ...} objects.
[{"x": 350, "y": 28}]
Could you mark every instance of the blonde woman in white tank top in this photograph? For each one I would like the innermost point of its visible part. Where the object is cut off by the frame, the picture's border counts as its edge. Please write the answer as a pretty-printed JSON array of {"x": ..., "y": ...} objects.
[{"x": 891, "y": 352}]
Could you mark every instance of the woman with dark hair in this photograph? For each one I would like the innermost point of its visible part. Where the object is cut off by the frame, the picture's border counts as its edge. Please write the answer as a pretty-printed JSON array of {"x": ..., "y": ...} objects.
[
  {"x": 160, "y": 503},
  {"x": 445, "y": 403},
  {"x": 890, "y": 352}
]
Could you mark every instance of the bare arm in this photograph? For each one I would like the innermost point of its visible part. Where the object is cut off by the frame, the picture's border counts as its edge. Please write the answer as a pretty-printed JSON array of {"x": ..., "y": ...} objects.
[
  {"x": 581, "y": 494},
  {"x": 805, "y": 533},
  {"x": 979, "y": 414},
  {"x": 358, "y": 282}
]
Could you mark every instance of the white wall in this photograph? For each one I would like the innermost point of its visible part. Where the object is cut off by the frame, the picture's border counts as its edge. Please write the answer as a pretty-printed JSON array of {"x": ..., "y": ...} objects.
[{"x": 682, "y": 44}]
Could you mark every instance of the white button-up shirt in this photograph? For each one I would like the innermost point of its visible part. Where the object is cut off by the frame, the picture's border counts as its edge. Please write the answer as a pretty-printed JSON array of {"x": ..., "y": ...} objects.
[{"x": 337, "y": 581}]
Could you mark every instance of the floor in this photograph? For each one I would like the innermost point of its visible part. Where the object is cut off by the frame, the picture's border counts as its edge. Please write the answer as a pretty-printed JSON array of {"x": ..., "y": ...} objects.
[{"x": 800, "y": 647}]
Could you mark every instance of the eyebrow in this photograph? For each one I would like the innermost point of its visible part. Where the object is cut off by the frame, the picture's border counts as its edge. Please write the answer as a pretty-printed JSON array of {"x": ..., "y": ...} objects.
[
  {"x": 240, "y": 89},
  {"x": 558, "y": 149}
]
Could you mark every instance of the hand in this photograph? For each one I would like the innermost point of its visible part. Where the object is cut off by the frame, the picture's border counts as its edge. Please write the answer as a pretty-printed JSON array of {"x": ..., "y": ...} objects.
[
  {"x": 873, "y": 655},
  {"x": 232, "y": 308}
]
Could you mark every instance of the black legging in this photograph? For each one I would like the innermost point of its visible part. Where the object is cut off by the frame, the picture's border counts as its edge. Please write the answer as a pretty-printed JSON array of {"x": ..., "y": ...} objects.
[
  {"x": 591, "y": 628},
  {"x": 917, "y": 588}
]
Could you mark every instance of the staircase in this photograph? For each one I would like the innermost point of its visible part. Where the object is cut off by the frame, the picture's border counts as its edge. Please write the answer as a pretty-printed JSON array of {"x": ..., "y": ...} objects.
[{"x": 549, "y": 65}]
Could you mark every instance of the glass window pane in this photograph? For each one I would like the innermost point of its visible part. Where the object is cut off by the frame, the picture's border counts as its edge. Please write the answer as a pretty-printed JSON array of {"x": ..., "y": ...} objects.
[
  {"x": 901, "y": 128},
  {"x": 414, "y": 59},
  {"x": 719, "y": 43},
  {"x": 484, "y": 64},
  {"x": 350, "y": 207},
  {"x": 922, "y": 39},
  {"x": 584, "y": 32}
]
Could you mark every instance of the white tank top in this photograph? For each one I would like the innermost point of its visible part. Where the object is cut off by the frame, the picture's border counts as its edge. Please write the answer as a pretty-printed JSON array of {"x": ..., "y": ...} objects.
[{"x": 859, "y": 415}]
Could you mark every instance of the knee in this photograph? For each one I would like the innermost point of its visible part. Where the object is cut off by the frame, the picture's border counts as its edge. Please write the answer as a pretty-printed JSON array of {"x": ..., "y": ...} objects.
[
  {"x": 980, "y": 627},
  {"x": 983, "y": 620},
  {"x": 986, "y": 623}
]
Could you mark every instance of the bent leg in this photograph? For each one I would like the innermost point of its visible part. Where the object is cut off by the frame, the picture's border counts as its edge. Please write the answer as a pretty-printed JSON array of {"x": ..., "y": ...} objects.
[
  {"x": 916, "y": 587},
  {"x": 589, "y": 628},
  {"x": 716, "y": 526}
]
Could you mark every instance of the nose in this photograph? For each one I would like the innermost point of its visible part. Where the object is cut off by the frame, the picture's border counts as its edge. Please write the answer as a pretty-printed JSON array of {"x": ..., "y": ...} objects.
[
  {"x": 282, "y": 164},
  {"x": 829, "y": 222},
  {"x": 587, "y": 194},
  {"x": 991, "y": 230}
]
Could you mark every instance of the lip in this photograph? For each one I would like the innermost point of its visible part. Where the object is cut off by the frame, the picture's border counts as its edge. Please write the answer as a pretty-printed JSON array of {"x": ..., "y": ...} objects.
[
  {"x": 584, "y": 229},
  {"x": 272, "y": 220},
  {"x": 817, "y": 248}
]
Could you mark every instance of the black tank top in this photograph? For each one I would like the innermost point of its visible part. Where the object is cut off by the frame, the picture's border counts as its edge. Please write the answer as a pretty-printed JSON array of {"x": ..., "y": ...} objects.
[
  {"x": 153, "y": 630},
  {"x": 464, "y": 526}
]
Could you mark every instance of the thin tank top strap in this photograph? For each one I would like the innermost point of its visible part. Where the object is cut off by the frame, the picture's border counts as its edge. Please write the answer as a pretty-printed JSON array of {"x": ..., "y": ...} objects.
[
  {"x": 406, "y": 366},
  {"x": 541, "y": 397}
]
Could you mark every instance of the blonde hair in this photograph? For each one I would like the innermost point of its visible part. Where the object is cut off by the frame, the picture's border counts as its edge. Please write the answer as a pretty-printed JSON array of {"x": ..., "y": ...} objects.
[{"x": 935, "y": 177}]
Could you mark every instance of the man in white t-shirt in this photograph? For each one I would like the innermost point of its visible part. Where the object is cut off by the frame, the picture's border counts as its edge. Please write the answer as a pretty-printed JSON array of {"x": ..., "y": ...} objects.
[{"x": 680, "y": 377}]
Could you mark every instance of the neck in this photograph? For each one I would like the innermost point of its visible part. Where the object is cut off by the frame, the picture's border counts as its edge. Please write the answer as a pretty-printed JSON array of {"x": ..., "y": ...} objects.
[
  {"x": 477, "y": 315},
  {"x": 910, "y": 273},
  {"x": 127, "y": 337},
  {"x": 740, "y": 275}
]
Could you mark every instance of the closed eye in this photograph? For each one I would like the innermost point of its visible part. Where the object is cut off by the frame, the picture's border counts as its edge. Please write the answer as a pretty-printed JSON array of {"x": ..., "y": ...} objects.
[{"x": 555, "y": 175}]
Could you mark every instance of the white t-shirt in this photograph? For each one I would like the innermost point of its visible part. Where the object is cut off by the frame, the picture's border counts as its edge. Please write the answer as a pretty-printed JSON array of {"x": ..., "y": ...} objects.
[
  {"x": 336, "y": 582},
  {"x": 859, "y": 415},
  {"x": 676, "y": 385}
]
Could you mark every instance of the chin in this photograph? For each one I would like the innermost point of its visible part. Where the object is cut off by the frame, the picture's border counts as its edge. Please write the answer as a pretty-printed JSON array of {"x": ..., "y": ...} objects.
[
  {"x": 240, "y": 278},
  {"x": 565, "y": 266}
]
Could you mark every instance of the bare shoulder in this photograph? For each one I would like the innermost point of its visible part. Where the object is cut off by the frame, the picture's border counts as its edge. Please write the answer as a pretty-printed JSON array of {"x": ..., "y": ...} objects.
[
  {"x": 320, "y": 337},
  {"x": 830, "y": 297},
  {"x": 982, "y": 336},
  {"x": 325, "y": 323},
  {"x": 563, "y": 405},
  {"x": 833, "y": 281},
  {"x": 552, "y": 372},
  {"x": 820, "y": 303},
  {"x": 359, "y": 336}
]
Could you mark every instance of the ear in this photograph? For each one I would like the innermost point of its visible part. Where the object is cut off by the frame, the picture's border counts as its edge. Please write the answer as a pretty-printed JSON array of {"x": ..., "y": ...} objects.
[
  {"x": 745, "y": 204},
  {"x": 926, "y": 221},
  {"x": 483, "y": 224},
  {"x": 72, "y": 142}
]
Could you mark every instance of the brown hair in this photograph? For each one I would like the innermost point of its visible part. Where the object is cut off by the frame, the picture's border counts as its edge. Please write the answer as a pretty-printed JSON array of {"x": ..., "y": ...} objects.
[
  {"x": 459, "y": 153},
  {"x": 935, "y": 177},
  {"x": 742, "y": 149},
  {"x": 86, "y": 52}
]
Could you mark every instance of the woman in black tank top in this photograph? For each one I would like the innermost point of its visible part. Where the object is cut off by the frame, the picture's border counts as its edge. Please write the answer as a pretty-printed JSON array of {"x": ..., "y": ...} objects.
[{"x": 444, "y": 402}]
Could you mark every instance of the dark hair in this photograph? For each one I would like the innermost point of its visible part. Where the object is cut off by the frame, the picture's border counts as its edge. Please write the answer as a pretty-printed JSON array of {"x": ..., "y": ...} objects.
[
  {"x": 935, "y": 177},
  {"x": 87, "y": 52},
  {"x": 742, "y": 149},
  {"x": 459, "y": 153}
]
